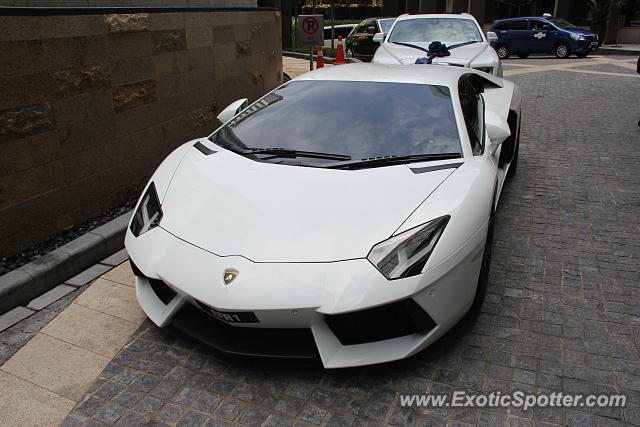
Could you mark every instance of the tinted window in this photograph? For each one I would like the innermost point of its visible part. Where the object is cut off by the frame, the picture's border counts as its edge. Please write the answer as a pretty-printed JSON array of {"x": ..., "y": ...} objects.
[
  {"x": 519, "y": 25},
  {"x": 536, "y": 25},
  {"x": 500, "y": 26},
  {"x": 473, "y": 112},
  {"x": 445, "y": 30},
  {"x": 370, "y": 28},
  {"x": 360, "y": 119},
  {"x": 385, "y": 24},
  {"x": 561, "y": 23}
]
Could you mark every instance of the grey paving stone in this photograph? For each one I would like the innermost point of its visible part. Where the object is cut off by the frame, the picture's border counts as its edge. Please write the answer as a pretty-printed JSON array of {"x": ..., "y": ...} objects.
[
  {"x": 192, "y": 418},
  {"x": 117, "y": 258},
  {"x": 128, "y": 398},
  {"x": 88, "y": 275},
  {"x": 313, "y": 414},
  {"x": 228, "y": 410},
  {"x": 148, "y": 405},
  {"x": 133, "y": 419},
  {"x": 254, "y": 416},
  {"x": 50, "y": 297},
  {"x": 170, "y": 412},
  {"x": 110, "y": 413},
  {"x": 14, "y": 316}
]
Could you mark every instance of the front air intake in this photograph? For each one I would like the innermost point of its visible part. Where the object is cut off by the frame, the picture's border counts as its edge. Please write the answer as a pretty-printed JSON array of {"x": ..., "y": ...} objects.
[{"x": 380, "y": 323}]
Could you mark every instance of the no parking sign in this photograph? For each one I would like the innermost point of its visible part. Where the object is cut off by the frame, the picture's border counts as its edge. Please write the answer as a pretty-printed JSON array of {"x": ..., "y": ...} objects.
[{"x": 310, "y": 30}]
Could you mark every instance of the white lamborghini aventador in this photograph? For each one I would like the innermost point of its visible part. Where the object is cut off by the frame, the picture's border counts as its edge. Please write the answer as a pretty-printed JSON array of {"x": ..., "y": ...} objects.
[{"x": 346, "y": 214}]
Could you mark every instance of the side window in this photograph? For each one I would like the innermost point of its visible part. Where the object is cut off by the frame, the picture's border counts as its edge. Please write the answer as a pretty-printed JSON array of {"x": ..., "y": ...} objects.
[
  {"x": 502, "y": 26},
  {"x": 537, "y": 25},
  {"x": 521, "y": 24},
  {"x": 473, "y": 111},
  {"x": 362, "y": 28},
  {"x": 370, "y": 28}
]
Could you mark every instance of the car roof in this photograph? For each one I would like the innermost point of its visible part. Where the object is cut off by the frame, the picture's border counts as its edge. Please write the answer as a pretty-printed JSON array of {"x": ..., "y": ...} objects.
[
  {"x": 441, "y": 75},
  {"x": 522, "y": 17},
  {"x": 435, "y": 15}
]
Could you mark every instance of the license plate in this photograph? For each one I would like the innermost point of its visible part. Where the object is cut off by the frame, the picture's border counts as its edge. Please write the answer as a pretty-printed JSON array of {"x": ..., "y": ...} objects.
[
  {"x": 594, "y": 44},
  {"x": 230, "y": 316}
]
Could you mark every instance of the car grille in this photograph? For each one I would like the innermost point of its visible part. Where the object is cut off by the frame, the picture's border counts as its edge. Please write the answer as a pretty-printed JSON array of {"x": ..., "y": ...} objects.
[{"x": 380, "y": 323}]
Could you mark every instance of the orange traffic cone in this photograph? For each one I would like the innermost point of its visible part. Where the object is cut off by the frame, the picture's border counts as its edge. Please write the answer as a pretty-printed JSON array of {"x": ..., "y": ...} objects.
[
  {"x": 339, "y": 53},
  {"x": 319, "y": 58}
]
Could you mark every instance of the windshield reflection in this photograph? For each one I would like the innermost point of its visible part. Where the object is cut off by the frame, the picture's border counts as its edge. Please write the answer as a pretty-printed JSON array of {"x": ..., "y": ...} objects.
[
  {"x": 444, "y": 30},
  {"x": 359, "y": 119}
]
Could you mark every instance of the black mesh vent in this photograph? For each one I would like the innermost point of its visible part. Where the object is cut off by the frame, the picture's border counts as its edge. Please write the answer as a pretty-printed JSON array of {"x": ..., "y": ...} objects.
[
  {"x": 164, "y": 292},
  {"x": 380, "y": 323}
]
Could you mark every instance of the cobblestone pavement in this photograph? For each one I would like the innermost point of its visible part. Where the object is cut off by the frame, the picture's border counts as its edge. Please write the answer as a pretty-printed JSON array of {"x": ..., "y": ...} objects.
[{"x": 562, "y": 312}]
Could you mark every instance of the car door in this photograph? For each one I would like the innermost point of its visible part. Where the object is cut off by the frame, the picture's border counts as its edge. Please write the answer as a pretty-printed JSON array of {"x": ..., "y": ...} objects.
[
  {"x": 519, "y": 36},
  {"x": 540, "y": 39},
  {"x": 362, "y": 40}
]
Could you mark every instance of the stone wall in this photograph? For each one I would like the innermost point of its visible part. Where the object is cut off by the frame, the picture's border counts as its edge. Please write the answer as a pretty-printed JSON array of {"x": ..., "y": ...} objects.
[
  {"x": 128, "y": 3},
  {"x": 90, "y": 104}
]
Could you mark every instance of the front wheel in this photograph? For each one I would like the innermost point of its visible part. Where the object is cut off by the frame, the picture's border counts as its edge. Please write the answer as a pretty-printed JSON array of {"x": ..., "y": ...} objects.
[
  {"x": 562, "y": 50},
  {"x": 523, "y": 55},
  {"x": 349, "y": 52},
  {"x": 483, "y": 279},
  {"x": 503, "y": 51}
]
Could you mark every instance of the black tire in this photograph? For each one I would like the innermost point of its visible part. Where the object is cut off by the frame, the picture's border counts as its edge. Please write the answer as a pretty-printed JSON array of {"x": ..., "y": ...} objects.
[
  {"x": 582, "y": 54},
  {"x": 562, "y": 50},
  {"x": 349, "y": 52},
  {"x": 503, "y": 51},
  {"x": 523, "y": 55},
  {"x": 513, "y": 166},
  {"x": 483, "y": 278}
]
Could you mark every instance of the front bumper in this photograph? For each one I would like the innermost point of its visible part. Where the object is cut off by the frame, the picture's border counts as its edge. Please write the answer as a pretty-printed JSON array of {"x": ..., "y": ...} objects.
[
  {"x": 297, "y": 304},
  {"x": 580, "y": 46}
]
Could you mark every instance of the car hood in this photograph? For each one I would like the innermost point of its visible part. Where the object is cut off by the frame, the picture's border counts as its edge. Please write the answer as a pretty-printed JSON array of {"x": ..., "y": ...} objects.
[
  {"x": 463, "y": 55},
  {"x": 230, "y": 205},
  {"x": 583, "y": 32}
]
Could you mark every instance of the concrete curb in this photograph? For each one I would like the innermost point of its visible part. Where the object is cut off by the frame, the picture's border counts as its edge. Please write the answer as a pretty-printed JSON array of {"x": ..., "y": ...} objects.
[
  {"x": 20, "y": 286},
  {"x": 616, "y": 51}
]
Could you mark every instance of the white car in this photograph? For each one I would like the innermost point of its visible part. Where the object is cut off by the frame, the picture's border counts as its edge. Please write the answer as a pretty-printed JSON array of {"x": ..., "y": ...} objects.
[
  {"x": 362, "y": 241},
  {"x": 410, "y": 36}
]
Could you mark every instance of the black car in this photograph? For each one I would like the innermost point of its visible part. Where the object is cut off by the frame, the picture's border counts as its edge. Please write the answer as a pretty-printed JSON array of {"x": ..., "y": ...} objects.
[{"x": 359, "y": 43}]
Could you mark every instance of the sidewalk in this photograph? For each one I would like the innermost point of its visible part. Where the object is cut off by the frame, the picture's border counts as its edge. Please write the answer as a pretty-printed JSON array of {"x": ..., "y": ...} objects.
[{"x": 621, "y": 49}]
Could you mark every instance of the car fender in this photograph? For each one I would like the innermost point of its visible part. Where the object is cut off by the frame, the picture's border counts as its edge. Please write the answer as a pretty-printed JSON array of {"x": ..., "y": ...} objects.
[{"x": 466, "y": 195}]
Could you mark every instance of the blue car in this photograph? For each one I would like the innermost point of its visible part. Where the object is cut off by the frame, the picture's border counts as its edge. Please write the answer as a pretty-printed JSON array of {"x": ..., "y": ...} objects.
[{"x": 546, "y": 34}]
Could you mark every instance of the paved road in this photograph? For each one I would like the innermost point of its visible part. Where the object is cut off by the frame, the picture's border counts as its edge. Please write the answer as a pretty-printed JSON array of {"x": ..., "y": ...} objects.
[{"x": 562, "y": 311}]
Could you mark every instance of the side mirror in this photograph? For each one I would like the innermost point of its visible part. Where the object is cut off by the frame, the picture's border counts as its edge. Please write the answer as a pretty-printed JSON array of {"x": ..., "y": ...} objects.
[
  {"x": 233, "y": 109},
  {"x": 497, "y": 129},
  {"x": 492, "y": 37},
  {"x": 379, "y": 37}
]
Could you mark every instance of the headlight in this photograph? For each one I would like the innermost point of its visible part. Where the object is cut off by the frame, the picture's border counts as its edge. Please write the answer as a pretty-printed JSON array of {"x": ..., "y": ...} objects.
[
  {"x": 406, "y": 254},
  {"x": 577, "y": 36},
  {"x": 148, "y": 214}
]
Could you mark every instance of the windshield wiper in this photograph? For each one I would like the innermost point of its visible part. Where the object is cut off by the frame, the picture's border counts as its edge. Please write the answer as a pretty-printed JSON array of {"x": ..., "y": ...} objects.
[
  {"x": 289, "y": 152},
  {"x": 374, "y": 162}
]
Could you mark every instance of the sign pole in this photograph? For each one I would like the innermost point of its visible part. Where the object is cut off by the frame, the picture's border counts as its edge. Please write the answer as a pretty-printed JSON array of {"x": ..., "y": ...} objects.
[{"x": 310, "y": 32}]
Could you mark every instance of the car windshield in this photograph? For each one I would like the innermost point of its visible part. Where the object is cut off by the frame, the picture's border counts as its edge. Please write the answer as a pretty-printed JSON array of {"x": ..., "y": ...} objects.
[
  {"x": 426, "y": 30},
  {"x": 385, "y": 24},
  {"x": 351, "y": 118},
  {"x": 561, "y": 23}
]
